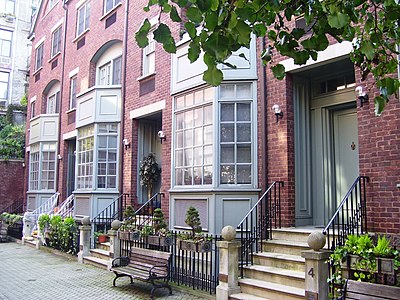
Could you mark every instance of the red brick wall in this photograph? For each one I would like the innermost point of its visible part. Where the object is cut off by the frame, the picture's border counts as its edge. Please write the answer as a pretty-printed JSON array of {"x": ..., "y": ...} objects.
[{"x": 12, "y": 182}]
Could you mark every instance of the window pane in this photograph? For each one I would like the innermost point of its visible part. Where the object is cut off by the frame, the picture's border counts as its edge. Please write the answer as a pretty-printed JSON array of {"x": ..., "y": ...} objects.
[
  {"x": 198, "y": 136},
  {"x": 208, "y": 134},
  {"x": 198, "y": 156},
  {"x": 227, "y": 91},
  {"x": 117, "y": 64},
  {"x": 243, "y": 112},
  {"x": 188, "y": 175},
  {"x": 179, "y": 139},
  {"x": 208, "y": 158},
  {"x": 197, "y": 175},
  {"x": 198, "y": 117},
  {"x": 227, "y": 112},
  {"x": 188, "y": 138},
  {"x": 227, "y": 133},
  {"x": 189, "y": 100},
  {"x": 179, "y": 102},
  {"x": 244, "y": 132},
  {"x": 179, "y": 158},
  {"x": 244, "y": 153},
  {"x": 102, "y": 142},
  {"x": 227, "y": 153},
  {"x": 244, "y": 174},
  {"x": 188, "y": 157},
  {"x": 207, "y": 175},
  {"x": 112, "y": 142},
  {"x": 243, "y": 91},
  {"x": 179, "y": 176},
  {"x": 227, "y": 174},
  {"x": 208, "y": 115}
]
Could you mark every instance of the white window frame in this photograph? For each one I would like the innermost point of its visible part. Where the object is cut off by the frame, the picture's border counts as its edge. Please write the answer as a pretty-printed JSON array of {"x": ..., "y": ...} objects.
[
  {"x": 149, "y": 56},
  {"x": 85, "y": 158},
  {"x": 72, "y": 92},
  {"x": 42, "y": 166},
  {"x": 107, "y": 156},
  {"x": 39, "y": 52},
  {"x": 5, "y": 6},
  {"x": 5, "y": 43},
  {"x": 7, "y": 85},
  {"x": 83, "y": 12},
  {"x": 56, "y": 38},
  {"x": 34, "y": 167},
  {"x": 108, "y": 7},
  {"x": 107, "y": 75},
  {"x": 53, "y": 103}
]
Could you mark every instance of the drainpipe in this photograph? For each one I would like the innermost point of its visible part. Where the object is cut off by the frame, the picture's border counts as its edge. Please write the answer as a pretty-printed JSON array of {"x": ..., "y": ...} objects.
[
  {"x": 123, "y": 94},
  {"x": 264, "y": 123},
  {"x": 61, "y": 89}
]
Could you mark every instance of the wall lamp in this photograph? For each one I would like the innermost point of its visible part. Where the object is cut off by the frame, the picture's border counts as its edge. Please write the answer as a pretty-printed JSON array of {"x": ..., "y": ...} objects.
[
  {"x": 126, "y": 143},
  {"x": 361, "y": 94},
  {"x": 161, "y": 136},
  {"x": 278, "y": 111},
  {"x": 59, "y": 157}
]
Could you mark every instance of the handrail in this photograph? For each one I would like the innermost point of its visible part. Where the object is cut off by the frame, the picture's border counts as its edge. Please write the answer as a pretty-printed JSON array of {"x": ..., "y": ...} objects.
[
  {"x": 257, "y": 225},
  {"x": 66, "y": 208},
  {"x": 15, "y": 207},
  {"x": 47, "y": 206},
  {"x": 144, "y": 215},
  {"x": 350, "y": 216}
]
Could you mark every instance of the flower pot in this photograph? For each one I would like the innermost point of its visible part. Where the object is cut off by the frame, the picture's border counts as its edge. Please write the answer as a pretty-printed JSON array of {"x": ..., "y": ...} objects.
[
  {"x": 102, "y": 238},
  {"x": 189, "y": 245},
  {"x": 123, "y": 235},
  {"x": 385, "y": 265}
]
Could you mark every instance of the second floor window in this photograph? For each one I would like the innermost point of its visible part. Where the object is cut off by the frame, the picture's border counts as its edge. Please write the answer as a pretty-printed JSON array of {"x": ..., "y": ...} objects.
[
  {"x": 110, "y": 73},
  {"x": 39, "y": 57},
  {"x": 7, "y": 6},
  {"x": 110, "y": 4},
  {"x": 5, "y": 43},
  {"x": 4, "y": 79},
  {"x": 52, "y": 103},
  {"x": 72, "y": 96},
  {"x": 56, "y": 41},
  {"x": 149, "y": 54},
  {"x": 33, "y": 108},
  {"x": 83, "y": 19}
]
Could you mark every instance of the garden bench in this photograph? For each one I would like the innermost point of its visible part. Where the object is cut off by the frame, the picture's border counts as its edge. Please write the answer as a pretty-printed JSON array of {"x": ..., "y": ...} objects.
[
  {"x": 146, "y": 265},
  {"x": 369, "y": 291}
]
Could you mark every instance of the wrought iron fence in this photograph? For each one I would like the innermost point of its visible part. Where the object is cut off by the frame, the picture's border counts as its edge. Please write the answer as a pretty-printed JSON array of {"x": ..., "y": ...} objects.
[
  {"x": 196, "y": 267},
  {"x": 15, "y": 230}
]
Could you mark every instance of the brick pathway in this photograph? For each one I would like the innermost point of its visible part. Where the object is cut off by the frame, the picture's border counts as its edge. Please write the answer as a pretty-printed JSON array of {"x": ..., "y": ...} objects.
[{"x": 27, "y": 273}]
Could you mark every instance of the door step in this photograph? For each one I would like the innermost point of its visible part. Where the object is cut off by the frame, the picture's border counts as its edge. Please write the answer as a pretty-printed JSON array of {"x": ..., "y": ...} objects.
[{"x": 270, "y": 290}]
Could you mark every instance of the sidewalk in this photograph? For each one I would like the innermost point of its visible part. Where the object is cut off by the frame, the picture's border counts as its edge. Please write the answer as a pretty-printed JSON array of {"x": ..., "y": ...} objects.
[{"x": 27, "y": 273}]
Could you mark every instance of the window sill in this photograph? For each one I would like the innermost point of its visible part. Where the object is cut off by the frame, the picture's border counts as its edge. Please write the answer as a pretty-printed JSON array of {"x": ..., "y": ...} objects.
[
  {"x": 110, "y": 11},
  {"x": 144, "y": 77},
  {"x": 54, "y": 57},
  {"x": 81, "y": 35},
  {"x": 70, "y": 110},
  {"x": 37, "y": 71}
]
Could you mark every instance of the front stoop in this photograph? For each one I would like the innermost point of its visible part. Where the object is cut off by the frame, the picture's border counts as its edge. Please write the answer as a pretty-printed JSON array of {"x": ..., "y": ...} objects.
[
  {"x": 99, "y": 257},
  {"x": 278, "y": 271}
]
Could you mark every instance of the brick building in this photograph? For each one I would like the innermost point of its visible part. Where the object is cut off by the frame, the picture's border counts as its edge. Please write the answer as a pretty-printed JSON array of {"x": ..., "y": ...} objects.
[{"x": 98, "y": 103}]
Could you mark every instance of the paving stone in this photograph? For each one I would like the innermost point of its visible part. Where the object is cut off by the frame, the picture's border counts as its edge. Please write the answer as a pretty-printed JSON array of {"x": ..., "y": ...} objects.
[{"x": 27, "y": 273}]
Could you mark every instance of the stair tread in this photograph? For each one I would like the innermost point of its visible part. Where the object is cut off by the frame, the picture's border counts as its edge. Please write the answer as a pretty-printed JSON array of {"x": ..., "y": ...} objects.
[
  {"x": 100, "y": 251},
  {"x": 274, "y": 286},
  {"x": 244, "y": 296},
  {"x": 288, "y": 243},
  {"x": 96, "y": 259},
  {"x": 288, "y": 257},
  {"x": 302, "y": 229},
  {"x": 278, "y": 271}
]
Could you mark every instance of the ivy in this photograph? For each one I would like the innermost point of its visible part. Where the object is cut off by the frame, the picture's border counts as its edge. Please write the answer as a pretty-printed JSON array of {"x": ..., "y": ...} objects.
[{"x": 226, "y": 25}]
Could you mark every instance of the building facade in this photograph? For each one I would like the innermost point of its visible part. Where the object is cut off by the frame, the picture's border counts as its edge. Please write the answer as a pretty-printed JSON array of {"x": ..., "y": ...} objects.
[{"x": 98, "y": 104}]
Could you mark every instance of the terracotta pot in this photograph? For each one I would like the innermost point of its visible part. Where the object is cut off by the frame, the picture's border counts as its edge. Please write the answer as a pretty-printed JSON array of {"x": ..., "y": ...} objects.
[{"x": 102, "y": 238}]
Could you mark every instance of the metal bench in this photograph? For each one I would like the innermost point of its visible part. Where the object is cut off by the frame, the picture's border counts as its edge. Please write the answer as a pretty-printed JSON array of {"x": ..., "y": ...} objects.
[
  {"x": 146, "y": 265},
  {"x": 369, "y": 291}
]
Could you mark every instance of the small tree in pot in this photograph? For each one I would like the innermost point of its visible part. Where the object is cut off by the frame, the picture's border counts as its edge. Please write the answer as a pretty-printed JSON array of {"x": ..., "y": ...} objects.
[{"x": 149, "y": 172}]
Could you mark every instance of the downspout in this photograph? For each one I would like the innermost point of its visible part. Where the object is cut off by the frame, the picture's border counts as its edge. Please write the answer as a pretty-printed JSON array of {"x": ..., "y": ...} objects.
[
  {"x": 123, "y": 94},
  {"x": 61, "y": 90},
  {"x": 264, "y": 123}
]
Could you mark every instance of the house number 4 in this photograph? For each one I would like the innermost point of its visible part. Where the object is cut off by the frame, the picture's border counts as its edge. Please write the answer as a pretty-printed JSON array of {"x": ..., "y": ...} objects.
[{"x": 311, "y": 272}]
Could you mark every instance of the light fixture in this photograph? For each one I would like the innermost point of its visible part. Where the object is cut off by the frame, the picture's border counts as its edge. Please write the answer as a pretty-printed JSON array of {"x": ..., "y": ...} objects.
[
  {"x": 59, "y": 157},
  {"x": 126, "y": 143},
  {"x": 361, "y": 94},
  {"x": 278, "y": 111},
  {"x": 161, "y": 136}
]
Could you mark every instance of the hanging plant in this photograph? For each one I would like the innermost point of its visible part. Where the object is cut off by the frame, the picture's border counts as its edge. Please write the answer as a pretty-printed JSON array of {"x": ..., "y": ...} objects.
[{"x": 149, "y": 172}]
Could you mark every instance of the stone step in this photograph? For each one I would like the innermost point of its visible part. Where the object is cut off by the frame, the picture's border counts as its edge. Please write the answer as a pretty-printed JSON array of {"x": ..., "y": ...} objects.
[
  {"x": 279, "y": 260},
  {"x": 97, "y": 262},
  {"x": 103, "y": 246},
  {"x": 244, "y": 296},
  {"x": 270, "y": 290},
  {"x": 298, "y": 234},
  {"x": 276, "y": 275},
  {"x": 100, "y": 253},
  {"x": 285, "y": 247}
]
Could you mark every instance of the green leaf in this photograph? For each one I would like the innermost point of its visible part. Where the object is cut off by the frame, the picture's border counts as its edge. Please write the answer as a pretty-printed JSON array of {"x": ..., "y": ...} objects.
[
  {"x": 278, "y": 71},
  {"x": 213, "y": 76},
  {"x": 191, "y": 29},
  {"x": 211, "y": 20},
  {"x": 367, "y": 49},
  {"x": 380, "y": 103},
  {"x": 338, "y": 20},
  {"x": 162, "y": 34},
  {"x": 174, "y": 15},
  {"x": 193, "y": 52},
  {"x": 204, "y": 5},
  {"x": 142, "y": 33},
  {"x": 194, "y": 14}
]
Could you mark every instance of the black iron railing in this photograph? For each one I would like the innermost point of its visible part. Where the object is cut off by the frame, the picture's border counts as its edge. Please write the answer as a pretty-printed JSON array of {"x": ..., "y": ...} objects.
[
  {"x": 351, "y": 215},
  {"x": 16, "y": 207},
  {"x": 198, "y": 270},
  {"x": 144, "y": 215},
  {"x": 257, "y": 225},
  {"x": 102, "y": 222}
]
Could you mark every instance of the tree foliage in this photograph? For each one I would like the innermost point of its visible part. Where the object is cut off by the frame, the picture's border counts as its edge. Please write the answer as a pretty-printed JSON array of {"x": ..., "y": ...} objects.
[{"x": 227, "y": 25}]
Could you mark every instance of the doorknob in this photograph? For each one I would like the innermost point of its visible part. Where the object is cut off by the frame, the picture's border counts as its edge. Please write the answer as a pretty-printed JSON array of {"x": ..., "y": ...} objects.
[{"x": 353, "y": 146}]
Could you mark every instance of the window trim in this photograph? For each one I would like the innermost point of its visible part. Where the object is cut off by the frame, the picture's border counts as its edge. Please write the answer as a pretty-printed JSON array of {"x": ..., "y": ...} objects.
[
  {"x": 86, "y": 8},
  {"x": 110, "y": 72},
  {"x": 107, "y": 13},
  {"x": 72, "y": 92},
  {"x": 39, "y": 48},
  {"x": 38, "y": 150},
  {"x": 10, "y": 42},
  {"x": 7, "y": 87},
  {"x": 54, "y": 52}
]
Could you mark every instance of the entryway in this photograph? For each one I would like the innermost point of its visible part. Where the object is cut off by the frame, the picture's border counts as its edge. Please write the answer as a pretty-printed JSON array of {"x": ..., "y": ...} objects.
[{"x": 326, "y": 140}]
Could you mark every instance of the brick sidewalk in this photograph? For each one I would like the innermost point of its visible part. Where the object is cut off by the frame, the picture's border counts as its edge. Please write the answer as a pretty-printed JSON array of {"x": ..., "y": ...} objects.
[{"x": 27, "y": 273}]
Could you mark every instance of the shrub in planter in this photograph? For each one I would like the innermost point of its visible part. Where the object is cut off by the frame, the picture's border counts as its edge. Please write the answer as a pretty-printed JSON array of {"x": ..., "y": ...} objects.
[
  {"x": 128, "y": 230},
  {"x": 158, "y": 234}
]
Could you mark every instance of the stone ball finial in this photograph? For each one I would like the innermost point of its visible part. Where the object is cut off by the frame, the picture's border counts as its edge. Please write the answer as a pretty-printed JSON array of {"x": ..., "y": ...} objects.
[
  {"x": 116, "y": 224},
  {"x": 316, "y": 240},
  {"x": 228, "y": 233},
  {"x": 85, "y": 220}
]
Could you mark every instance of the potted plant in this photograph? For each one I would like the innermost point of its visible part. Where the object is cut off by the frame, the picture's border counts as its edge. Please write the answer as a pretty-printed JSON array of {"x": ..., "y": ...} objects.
[
  {"x": 149, "y": 172},
  {"x": 159, "y": 236},
  {"x": 44, "y": 226},
  {"x": 194, "y": 240},
  {"x": 385, "y": 256},
  {"x": 128, "y": 231}
]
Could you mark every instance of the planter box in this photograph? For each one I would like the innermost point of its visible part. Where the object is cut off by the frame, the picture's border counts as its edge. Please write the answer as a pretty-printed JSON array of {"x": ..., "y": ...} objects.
[
  {"x": 194, "y": 246},
  {"x": 385, "y": 265},
  {"x": 128, "y": 235},
  {"x": 159, "y": 240}
]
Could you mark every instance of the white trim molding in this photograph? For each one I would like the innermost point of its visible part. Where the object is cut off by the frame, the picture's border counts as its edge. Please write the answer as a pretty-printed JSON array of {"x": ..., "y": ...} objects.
[{"x": 147, "y": 110}]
